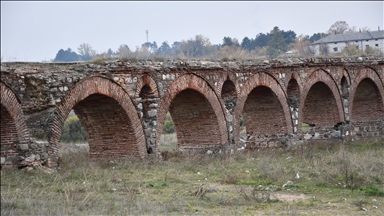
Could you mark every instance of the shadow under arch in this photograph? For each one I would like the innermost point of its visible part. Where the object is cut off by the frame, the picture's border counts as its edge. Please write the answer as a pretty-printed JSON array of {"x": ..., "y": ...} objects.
[
  {"x": 192, "y": 90},
  {"x": 321, "y": 80},
  {"x": 97, "y": 100},
  {"x": 268, "y": 84},
  {"x": 374, "y": 100}
]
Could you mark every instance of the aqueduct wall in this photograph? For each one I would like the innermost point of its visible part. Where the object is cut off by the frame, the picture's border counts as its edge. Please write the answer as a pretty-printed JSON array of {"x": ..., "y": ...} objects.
[{"x": 123, "y": 105}]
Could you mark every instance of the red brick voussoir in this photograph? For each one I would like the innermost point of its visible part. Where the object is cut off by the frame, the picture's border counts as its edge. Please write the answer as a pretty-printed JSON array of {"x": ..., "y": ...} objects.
[{"x": 108, "y": 88}]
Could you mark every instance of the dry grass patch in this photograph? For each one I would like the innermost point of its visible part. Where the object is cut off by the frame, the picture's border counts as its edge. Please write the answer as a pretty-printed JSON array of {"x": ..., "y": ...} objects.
[{"x": 334, "y": 179}]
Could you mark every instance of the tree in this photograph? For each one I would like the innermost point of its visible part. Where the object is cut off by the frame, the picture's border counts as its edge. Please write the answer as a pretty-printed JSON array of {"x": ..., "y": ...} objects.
[
  {"x": 247, "y": 44},
  {"x": 164, "y": 49},
  {"x": 323, "y": 49},
  {"x": 152, "y": 47},
  {"x": 276, "y": 44},
  {"x": 338, "y": 27},
  {"x": 373, "y": 51},
  {"x": 169, "y": 126},
  {"x": 317, "y": 36},
  {"x": 66, "y": 56},
  {"x": 302, "y": 46},
  {"x": 86, "y": 52},
  {"x": 110, "y": 53},
  {"x": 197, "y": 47},
  {"x": 227, "y": 41},
  {"x": 123, "y": 51},
  {"x": 261, "y": 40},
  {"x": 365, "y": 29},
  {"x": 289, "y": 36},
  {"x": 73, "y": 131},
  {"x": 352, "y": 50}
]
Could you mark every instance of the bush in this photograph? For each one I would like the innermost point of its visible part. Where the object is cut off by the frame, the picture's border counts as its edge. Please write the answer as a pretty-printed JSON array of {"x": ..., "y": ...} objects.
[
  {"x": 371, "y": 190},
  {"x": 73, "y": 131},
  {"x": 169, "y": 126}
]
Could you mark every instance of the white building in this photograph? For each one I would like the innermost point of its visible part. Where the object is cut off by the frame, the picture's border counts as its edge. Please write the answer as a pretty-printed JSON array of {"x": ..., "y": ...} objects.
[{"x": 362, "y": 40}]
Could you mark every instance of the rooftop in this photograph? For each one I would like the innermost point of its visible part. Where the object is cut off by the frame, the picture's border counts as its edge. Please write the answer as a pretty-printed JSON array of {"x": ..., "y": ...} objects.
[{"x": 368, "y": 35}]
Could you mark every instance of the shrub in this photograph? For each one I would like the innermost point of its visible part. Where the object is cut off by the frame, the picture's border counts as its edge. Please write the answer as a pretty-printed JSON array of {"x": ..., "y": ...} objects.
[{"x": 73, "y": 131}]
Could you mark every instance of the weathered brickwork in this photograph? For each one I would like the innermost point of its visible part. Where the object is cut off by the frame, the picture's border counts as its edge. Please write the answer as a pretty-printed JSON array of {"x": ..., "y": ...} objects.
[
  {"x": 15, "y": 138},
  {"x": 195, "y": 110},
  {"x": 123, "y": 105},
  {"x": 263, "y": 103}
]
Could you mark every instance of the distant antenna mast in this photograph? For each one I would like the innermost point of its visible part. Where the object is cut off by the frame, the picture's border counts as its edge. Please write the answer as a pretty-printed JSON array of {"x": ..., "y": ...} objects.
[{"x": 146, "y": 32}]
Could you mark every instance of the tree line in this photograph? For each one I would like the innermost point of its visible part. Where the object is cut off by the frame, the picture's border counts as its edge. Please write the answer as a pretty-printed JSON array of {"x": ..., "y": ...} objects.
[{"x": 268, "y": 45}]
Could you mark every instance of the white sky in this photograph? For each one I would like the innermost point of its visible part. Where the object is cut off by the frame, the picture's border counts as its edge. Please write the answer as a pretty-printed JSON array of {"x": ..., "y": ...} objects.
[{"x": 36, "y": 31}]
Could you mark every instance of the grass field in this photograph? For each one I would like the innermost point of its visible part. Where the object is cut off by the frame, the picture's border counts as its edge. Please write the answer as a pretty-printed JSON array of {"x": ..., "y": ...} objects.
[{"x": 333, "y": 180}]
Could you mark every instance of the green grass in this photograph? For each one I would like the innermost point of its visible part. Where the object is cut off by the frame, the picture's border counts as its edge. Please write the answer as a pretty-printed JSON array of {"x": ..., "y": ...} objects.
[
  {"x": 305, "y": 127},
  {"x": 337, "y": 180}
]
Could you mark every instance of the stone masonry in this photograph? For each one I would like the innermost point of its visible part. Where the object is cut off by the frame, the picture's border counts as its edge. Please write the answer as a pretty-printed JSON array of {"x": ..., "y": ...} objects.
[{"x": 122, "y": 105}]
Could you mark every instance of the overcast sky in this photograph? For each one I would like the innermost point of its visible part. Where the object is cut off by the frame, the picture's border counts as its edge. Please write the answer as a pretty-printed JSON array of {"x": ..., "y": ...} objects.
[{"x": 36, "y": 31}]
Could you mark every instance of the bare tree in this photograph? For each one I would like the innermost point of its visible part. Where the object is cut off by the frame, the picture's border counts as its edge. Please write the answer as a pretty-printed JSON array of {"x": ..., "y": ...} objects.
[
  {"x": 302, "y": 46},
  {"x": 123, "y": 51},
  {"x": 324, "y": 49},
  {"x": 365, "y": 29},
  {"x": 338, "y": 27},
  {"x": 86, "y": 52}
]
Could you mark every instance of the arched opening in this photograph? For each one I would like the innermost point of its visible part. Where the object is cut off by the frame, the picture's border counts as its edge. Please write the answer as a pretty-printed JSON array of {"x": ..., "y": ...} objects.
[
  {"x": 263, "y": 114},
  {"x": 195, "y": 121},
  {"x": 229, "y": 95},
  {"x": 228, "y": 90},
  {"x": 108, "y": 128},
  {"x": 293, "y": 92},
  {"x": 9, "y": 137},
  {"x": 367, "y": 102},
  {"x": 146, "y": 92},
  {"x": 108, "y": 116},
  {"x": 320, "y": 108},
  {"x": 99, "y": 127}
]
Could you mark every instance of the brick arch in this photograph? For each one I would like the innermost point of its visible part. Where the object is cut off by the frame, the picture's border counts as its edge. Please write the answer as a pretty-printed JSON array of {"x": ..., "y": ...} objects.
[
  {"x": 270, "y": 84},
  {"x": 14, "y": 130},
  {"x": 293, "y": 90},
  {"x": 347, "y": 76},
  {"x": 228, "y": 89},
  {"x": 321, "y": 80},
  {"x": 205, "y": 99},
  {"x": 231, "y": 77},
  {"x": 296, "y": 77},
  {"x": 375, "y": 98},
  {"x": 147, "y": 80},
  {"x": 103, "y": 101}
]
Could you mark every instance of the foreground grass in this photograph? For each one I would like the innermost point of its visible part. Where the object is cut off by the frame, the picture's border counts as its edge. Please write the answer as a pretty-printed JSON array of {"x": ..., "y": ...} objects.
[{"x": 334, "y": 180}]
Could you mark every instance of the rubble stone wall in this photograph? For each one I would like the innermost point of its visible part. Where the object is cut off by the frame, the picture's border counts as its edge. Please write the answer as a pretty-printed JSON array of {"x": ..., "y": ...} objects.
[{"x": 122, "y": 105}]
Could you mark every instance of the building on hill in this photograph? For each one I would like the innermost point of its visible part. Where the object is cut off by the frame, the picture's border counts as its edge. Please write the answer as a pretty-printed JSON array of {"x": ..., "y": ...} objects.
[{"x": 362, "y": 40}]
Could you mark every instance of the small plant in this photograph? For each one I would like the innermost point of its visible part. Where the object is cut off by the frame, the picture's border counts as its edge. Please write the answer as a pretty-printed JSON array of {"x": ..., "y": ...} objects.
[{"x": 372, "y": 190}]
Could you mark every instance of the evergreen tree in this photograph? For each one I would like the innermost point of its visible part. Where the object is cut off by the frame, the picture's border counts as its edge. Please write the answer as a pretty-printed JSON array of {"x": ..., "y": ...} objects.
[
  {"x": 316, "y": 37},
  {"x": 164, "y": 49},
  {"x": 227, "y": 41},
  {"x": 276, "y": 44},
  {"x": 247, "y": 44},
  {"x": 261, "y": 40},
  {"x": 66, "y": 56},
  {"x": 289, "y": 36}
]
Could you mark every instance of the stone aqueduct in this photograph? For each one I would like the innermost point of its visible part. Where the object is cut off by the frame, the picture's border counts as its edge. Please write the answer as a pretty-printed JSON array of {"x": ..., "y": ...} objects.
[{"x": 123, "y": 105}]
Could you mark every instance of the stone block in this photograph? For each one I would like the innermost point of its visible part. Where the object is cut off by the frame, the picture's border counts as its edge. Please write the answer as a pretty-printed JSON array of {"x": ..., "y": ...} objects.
[{"x": 23, "y": 147}]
